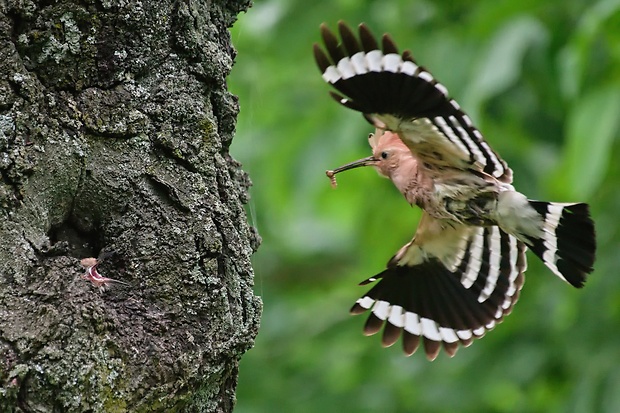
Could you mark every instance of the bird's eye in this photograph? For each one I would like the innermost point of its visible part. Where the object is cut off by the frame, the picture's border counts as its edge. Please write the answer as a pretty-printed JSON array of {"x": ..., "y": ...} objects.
[{"x": 384, "y": 155}]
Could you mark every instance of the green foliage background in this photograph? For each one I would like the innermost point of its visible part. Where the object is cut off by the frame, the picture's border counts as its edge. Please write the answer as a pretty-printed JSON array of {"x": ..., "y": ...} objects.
[{"x": 541, "y": 79}]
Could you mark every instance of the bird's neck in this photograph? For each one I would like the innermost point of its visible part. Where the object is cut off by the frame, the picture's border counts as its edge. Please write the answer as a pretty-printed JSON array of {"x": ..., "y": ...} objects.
[{"x": 408, "y": 181}]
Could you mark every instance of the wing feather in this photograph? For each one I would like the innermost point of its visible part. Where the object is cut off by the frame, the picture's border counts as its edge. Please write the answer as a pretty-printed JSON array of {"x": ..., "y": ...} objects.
[
  {"x": 450, "y": 284},
  {"x": 395, "y": 93}
]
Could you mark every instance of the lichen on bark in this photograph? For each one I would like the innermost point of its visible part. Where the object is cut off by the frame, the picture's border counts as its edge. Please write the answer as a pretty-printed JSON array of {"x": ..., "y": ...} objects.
[{"x": 115, "y": 125}]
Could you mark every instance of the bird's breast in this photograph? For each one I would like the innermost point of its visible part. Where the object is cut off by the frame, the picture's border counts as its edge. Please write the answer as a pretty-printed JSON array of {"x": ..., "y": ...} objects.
[{"x": 469, "y": 201}]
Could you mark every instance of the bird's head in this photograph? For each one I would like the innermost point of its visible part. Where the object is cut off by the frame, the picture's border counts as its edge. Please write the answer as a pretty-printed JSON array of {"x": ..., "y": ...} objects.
[{"x": 389, "y": 154}]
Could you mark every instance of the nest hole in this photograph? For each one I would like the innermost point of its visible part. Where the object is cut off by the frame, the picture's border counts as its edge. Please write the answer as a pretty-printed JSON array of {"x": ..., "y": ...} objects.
[{"x": 69, "y": 239}]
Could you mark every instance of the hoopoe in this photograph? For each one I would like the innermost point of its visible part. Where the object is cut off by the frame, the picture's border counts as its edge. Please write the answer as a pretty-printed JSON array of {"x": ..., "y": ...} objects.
[{"x": 464, "y": 268}]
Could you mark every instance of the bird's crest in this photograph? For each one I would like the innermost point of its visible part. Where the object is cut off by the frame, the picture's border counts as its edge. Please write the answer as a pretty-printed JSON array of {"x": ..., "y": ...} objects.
[{"x": 382, "y": 138}]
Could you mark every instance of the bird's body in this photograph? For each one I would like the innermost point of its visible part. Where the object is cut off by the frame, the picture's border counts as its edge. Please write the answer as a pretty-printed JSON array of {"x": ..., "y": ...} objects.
[
  {"x": 458, "y": 196},
  {"x": 445, "y": 192},
  {"x": 463, "y": 270}
]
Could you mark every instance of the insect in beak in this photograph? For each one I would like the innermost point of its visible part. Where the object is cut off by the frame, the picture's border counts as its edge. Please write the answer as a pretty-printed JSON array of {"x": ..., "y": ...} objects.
[{"x": 371, "y": 160}]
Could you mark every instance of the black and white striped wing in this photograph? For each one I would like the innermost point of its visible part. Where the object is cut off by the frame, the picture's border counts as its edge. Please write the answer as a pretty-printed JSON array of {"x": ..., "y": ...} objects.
[
  {"x": 396, "y": 94},
  {"x": 446, "y": 287}
]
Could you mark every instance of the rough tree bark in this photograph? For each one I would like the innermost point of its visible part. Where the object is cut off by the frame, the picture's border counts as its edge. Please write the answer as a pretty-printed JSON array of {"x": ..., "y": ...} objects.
[{"x": 115, "y": 125}]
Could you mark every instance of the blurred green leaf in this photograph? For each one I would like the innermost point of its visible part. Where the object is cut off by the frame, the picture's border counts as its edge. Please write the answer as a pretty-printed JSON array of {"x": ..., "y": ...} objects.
[
  {"x": 591, "y": 127},
  {"x": 577, "y": 57},
  {"x": 499, "y": 67}
]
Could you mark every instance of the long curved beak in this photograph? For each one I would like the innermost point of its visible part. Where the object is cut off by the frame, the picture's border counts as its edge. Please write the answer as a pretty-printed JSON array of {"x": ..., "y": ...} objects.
[{"x": 356, "y": 164}]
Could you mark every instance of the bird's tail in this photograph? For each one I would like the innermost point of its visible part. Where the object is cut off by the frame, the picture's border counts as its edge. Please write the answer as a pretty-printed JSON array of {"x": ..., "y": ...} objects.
[
  {"x": 561, "y": 235},
  {"x": 568, "y": 244}
]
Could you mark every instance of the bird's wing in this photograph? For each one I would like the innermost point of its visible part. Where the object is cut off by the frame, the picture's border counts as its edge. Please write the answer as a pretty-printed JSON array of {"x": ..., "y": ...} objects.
[
  {"x": 396, "y": 94},
  {"x": 449, "y": 285}
]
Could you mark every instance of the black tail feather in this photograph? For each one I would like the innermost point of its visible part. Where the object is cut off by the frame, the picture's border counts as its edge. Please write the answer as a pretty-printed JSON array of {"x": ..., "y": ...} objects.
[{"x": 568, "y": 244}]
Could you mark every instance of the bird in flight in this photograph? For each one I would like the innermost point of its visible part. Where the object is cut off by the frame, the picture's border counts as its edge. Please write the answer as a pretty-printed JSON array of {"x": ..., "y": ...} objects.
[{"x": 464, "y": 268}]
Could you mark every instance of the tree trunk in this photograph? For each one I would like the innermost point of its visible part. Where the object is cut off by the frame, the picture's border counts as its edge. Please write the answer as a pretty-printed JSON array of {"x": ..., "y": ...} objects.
[{"x": 114, "y": 132}]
